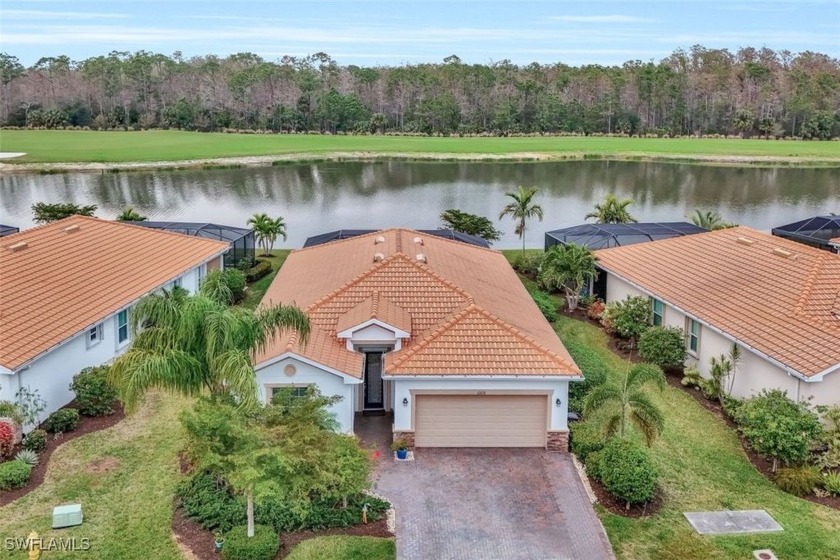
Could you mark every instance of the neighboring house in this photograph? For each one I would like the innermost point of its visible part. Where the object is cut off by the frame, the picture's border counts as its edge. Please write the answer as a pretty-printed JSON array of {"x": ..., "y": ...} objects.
[
  {"x": 822, "y": 232},
  {"x": 7, "y": 230},
  {"x": 348, "y": 233},
  {"x": 241, "y": 240},
  {"x": 441, "y": 333},
  {"x": 66, "y": 291},
  {"x": 777, "y": 299}
]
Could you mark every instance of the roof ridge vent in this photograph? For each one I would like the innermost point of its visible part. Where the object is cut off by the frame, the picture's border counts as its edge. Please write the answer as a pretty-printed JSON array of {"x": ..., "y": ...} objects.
[
  {"x": 421, "y": 257},
  {"x": 378, "y": 239},
  {"x": 745, "y": 240},
  {"x": 784, "y": 253},
  {"x": 418, "y": 240},
  {"x": 19, "y": 246},
  {"x": 378, "y": 257},
  {"x": 71, "y": 229}
]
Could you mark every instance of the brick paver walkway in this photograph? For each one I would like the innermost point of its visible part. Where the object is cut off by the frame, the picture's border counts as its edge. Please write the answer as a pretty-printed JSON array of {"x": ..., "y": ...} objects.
[{"x": 491, "y": 504}]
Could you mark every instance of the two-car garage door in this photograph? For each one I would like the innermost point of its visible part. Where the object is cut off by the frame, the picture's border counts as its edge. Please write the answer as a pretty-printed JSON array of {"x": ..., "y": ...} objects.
[{"x": 480, "y": 420}]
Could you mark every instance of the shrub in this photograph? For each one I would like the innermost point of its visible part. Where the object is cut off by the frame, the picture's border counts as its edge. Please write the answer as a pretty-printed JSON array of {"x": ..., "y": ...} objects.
[
  {"x": 10, "y": 410},
  {"x": 14, "y": 474},
  {"x": 594, "y": 370},
  {"x": 626, "y": 471},
  {"x": 830, "y": 458},
  {"x": 262, "y": 546},
  {"x": 528, "y": 264},
  {"x": 586, "y": 438},
  {"x": 628, "y": 318},
  {"x": 831, "y": 483},
  {"x": 7, "y": 440},
  {"x": 36, "y": 441},
  {"x": 691, "y": 377},
  {"x": 94, "y": 394},
  {"x": 546, "y": 305},
  {"x": 259, "y": 270},
  {"x": 62, "y": 421},
  {"x": 799, "y": 481},
  {"x": 596, "y": 310},
  {"x": 663, "y": 346},
  {"x": 27, "y": 456},
  {"x": 226, "y": 286},
  {"x": 778, "y": 427}
]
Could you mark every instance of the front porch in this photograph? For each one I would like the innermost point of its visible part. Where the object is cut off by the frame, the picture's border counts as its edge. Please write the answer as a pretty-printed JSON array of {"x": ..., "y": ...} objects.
[{"x": 374, "y": 431}]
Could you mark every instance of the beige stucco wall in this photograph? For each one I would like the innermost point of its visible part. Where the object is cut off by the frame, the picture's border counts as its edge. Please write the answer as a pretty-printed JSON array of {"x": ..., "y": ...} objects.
[{"x": 826, "y": 391}]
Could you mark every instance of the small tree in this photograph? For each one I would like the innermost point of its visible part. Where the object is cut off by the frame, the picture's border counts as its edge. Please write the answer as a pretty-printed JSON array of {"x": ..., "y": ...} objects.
[
  {"x": 612, "y": 211},
  {"x": 470, "y": 223},
  {"x": 45, "y": 213},
  {"x": 568, "y": 267},
  {"x": 734, "y": 358},
  {"x": 778, "y": 427},
  {"x": 130, "y": 215},
  {"x": 663, "y": 346},
  {"x": 629, "y": 317},
  {"x": 521, "y": 208},
  {"x": 31, "y": 405},
  {"x": 710, "y": 220},
  {"x": 266, "y": 230}
]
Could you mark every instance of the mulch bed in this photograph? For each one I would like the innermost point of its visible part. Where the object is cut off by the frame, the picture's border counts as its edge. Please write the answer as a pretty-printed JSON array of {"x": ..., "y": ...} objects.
[
  {"x": 87, "y": 424},
  {"x": 200, "y": 541}
]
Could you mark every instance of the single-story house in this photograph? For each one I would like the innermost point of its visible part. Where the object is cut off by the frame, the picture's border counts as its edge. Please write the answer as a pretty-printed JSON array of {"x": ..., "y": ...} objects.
[
  {"x": 66, "y": 292},
  {"x": 778, "y": 300},
  {"x": 8, "y": 230},
  {"x": 819, "y": 231},
  {"x": 241, "y": 241},
  {"x": 440, "y": 333},
  {"x": 322, "y": 238}
]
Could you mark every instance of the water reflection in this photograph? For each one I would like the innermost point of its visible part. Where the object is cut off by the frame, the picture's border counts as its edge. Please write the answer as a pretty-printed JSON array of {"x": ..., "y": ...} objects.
[{"x": 324, "y": 196}]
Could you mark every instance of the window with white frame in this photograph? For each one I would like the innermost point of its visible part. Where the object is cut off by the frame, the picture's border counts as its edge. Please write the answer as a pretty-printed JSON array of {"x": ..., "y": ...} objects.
[
  {"x": 122, "y": 327},
  {"x": 658, "y": 311},
  {"x": 200, "y": 275},
  {"x": 693, "y": 335},
  {"x": 298, "y": 391},
  {"x": 94, "y": 336}
]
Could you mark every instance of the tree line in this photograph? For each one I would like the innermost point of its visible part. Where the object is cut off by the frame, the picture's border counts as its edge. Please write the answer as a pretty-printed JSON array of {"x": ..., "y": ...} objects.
[{"x": 695, "y": 91}]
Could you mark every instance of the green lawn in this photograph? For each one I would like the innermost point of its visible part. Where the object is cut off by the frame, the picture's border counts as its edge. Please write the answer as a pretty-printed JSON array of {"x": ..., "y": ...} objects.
[
  {"x": 344, "y": 548},
  {"x": 257, "y": 290},
  {"x": 159, "y": 145}
]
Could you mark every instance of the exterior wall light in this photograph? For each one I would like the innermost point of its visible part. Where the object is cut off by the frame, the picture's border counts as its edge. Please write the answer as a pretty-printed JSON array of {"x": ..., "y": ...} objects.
[
  {"x": 405, "y": 401},
  {"x": 558, "y": 402}
]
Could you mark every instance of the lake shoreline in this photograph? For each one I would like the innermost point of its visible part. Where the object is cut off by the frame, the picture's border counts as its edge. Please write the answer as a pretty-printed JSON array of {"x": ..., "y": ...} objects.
[{"x": 7, "y": 168}]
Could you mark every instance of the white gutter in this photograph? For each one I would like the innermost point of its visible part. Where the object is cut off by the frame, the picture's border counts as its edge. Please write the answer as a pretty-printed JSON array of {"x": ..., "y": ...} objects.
[
  {"x": 508, "y": 376},
  {"x": 787, "y": 369}
]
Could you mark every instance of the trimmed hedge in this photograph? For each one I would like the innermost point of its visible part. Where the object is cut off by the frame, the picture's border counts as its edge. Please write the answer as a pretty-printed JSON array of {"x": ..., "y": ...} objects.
[
  {"x": 36, "y": 441},
  {"x": 94, "y": 394},
  {"x": 259, "y": 270},
  {"x": 663, "y": 346},
  {"x": 14, "y": 474},
  {"x": 262, "y": 546},
  {"x": 62, "y": 421},
  {"x": 625, "y": 470},
  {"x": 594, "y": 369},
  {"x": 586, "y": 438}
]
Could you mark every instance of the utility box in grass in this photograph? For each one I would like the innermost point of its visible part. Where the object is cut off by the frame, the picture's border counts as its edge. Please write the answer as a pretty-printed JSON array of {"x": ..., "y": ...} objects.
[{"x": 67, "y": 516}]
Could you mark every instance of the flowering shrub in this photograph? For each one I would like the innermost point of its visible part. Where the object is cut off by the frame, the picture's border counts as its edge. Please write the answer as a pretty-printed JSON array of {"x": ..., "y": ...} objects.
[{"x": 7, "y": 440}]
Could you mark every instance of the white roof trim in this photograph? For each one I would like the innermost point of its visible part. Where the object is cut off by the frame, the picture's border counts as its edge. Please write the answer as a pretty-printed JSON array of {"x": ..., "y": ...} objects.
[
  {"x": 348, "y": 379},
  {"x": 789, "y": 370},
  {"x": 348, "y": 333},
  {"x": 504, "y": 376}
]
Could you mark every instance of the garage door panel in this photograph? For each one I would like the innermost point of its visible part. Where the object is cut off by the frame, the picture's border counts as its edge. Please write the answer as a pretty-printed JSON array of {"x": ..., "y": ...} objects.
[{"x": 480, "y": 420}]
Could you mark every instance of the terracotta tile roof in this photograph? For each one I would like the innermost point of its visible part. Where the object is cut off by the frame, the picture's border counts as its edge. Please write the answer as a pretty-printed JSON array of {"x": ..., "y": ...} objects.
[
  {"x": 376, "y": 307},
  {"x": 336, "y": 282},
  {"x": 75, "y": 272},
  {"x": 835, "y": 241},
  {"x": 778, "y": 296},
  {"x": 474, "y": 342}
]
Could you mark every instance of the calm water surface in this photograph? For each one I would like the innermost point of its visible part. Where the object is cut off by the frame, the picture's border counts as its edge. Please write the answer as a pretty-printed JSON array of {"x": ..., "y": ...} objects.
[{"x": 321, "y": 197}]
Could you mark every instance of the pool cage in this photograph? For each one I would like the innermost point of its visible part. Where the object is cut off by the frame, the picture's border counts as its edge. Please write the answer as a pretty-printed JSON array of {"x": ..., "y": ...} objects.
[
  {"x": 8, "y": 230},
  {"x": 348, "y": 233},
  {"x": 604, "y": 236},
  {"x": 820, "y": 231},
  {"x": 241, "y": 240}
]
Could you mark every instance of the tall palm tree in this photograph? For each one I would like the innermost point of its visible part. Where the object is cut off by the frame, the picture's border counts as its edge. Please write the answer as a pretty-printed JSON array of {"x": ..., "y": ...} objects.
[
  {"x": 568, "y": 267},
  {"x": 627, "y": 404},
  {"x": 192, "y": 344},
  {"x": 522, "y": 208},
  {"x": 266, "y": 230},
  {"x": 710, "y": 220},
  {"x": 612, "y": 211}
]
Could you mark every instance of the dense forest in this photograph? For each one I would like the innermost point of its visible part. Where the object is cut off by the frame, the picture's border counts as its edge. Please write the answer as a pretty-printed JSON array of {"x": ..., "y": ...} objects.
[{"x": 698, "y": 91}]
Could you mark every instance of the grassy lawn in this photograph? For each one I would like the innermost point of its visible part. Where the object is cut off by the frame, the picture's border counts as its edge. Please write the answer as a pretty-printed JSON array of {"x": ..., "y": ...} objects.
[
  {"x": 158, "y": 145},
  {"x": 257, "y": 290},
  {"x": 124, "y": 477},
  {"x": 344, "y": 548}
]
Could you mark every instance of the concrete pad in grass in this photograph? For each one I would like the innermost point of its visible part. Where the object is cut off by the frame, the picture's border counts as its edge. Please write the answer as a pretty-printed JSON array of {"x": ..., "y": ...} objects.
[{"x": 732, "y": 522}]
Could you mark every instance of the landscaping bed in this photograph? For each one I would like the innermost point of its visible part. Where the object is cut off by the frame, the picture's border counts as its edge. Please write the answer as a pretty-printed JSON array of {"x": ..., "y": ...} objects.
[{"x": 86, "y": 425}]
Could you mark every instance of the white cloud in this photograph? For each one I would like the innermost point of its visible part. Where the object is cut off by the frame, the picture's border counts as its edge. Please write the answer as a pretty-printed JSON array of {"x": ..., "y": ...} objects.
[{"x": 614, "y": 18}]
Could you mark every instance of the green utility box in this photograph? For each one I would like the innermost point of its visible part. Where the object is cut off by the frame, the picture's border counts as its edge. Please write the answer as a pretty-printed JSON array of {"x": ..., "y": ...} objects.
[{"x": 67, "y": 516}]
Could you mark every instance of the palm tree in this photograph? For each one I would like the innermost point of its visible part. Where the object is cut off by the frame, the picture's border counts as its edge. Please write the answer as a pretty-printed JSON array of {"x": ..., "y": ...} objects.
[
  {"x": 521, "y": 209},
  {"x": 192, "y": 344},
  {"x": 569, "y": 267},
  {"x": 267, "y": 230},
  {"x": 709, "y": 220},
  {"x": 130, "y": 215},
  {"x": 628, "y": 404},
  {"x": 612, "y": 211}
]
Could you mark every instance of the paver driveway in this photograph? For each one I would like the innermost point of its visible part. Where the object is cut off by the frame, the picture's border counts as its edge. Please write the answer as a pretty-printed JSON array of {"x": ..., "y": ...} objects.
[{"x": 491, "y": 504}]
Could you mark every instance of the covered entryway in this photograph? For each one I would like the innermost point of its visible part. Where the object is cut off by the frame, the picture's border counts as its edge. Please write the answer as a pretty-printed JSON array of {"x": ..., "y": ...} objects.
[{"x": 480, "y": 420}]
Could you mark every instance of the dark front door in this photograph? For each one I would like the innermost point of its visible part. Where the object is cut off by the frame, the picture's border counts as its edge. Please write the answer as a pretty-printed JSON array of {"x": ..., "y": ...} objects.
[{"x": 373, "y": 381}]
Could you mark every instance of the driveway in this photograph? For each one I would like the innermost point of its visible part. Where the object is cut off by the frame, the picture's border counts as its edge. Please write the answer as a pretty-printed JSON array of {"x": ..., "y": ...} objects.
[{"x": 455, "y": 504}]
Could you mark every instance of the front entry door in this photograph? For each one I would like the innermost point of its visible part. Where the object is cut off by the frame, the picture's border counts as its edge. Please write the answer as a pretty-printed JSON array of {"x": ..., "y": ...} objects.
[{"x": 374, "y": 398}]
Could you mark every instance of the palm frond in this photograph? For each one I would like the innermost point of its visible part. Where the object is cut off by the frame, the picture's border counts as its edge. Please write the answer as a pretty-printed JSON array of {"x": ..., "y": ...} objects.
[
  {"x": 641, "y": 374},
  {"x": 646, "y": 417},
  {"x": 600, "y": 397}
]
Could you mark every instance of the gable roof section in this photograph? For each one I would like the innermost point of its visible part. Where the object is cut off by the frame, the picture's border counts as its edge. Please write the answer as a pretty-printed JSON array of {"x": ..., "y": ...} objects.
[
  {"x": 777, "y": 296},
  {"x": 375, "y": 307},
  {"x": 335, "y": 283},
  {"x": 474, "y": 342},
  {"x": 73, "y": 273}
]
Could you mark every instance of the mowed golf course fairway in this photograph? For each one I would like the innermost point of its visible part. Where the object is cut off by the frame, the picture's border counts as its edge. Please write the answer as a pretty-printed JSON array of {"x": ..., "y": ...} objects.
[{"x": 66, "y": 146}]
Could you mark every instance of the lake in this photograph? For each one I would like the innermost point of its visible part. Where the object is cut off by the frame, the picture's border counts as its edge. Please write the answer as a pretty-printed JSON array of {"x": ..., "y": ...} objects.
[{"x": 325, "y": 196}]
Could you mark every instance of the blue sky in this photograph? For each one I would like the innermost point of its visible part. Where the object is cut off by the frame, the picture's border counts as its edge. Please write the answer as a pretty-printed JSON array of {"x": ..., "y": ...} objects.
[{"x": 401, "y": 31}]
